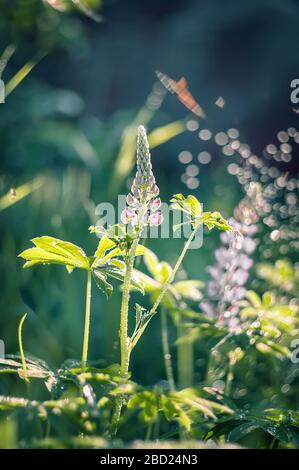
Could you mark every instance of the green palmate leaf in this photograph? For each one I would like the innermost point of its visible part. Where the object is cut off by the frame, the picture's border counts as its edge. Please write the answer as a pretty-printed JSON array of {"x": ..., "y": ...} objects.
[
  {"x": 189, "y": 204},
  {"x": 215, "y": 219},
  {"x": 182, "y": 406},
  {"x": 50, "y": 250},
  {"x": 273, "y": 318},
  {"x": 181, "y": 203},
  {"x": 173, "y": 411},
  {"x": 193, "y": 208},
  {"x": 120, "y": 252},
  {"x": 109, "y": 249},
  {"x": 147, "y": 402},
  {"x": 283, "y": 275}
]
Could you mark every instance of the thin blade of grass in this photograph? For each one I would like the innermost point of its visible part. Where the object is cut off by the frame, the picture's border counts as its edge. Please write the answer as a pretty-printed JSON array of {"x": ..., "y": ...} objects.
[
  {"x": 22, "y": 354},
  {"x": 22, "y": 74},
  {"x": 19, "y": 193},
  {"x": 162, "y": 134}
]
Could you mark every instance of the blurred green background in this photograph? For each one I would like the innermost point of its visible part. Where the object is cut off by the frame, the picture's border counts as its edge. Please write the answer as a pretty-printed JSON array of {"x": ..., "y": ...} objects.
[{"x": 67, "y": 129}]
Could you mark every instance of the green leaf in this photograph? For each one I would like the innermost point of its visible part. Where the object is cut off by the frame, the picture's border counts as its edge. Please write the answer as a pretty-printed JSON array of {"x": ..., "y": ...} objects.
[
  {"x": 195, "y": 206},
  {"x": 241, "y": 431},
  {"x": 165, "y": 271},
  {"x": 9, "y": 402},
  {"x": 8, "y": 433},
  {"x": 139, "y": 313},
  {"x": 118, "y": 273},
  {"x": 104, "y": 245},
  {"x": 267, "y": 346},
  {"x": 267, "y": 299},
  {"x": 149, "y": 284},
  {"x": 254, "y": 299},
  {"x": 35, "y": 368},
  {"x": 50, "y": 250},
  {"x": 102, "y": 283},
  {"x": 152, "y": 262},
  {"x": 191, "y": 206},
  {"x": 215, "y": 219},
  {"x": 147, "y": 401},
  {"x": 161, "y": 271},
  {"x": 172, "y": 411},
  {"x": 114, "y": 253},
  {"x": 189, "y": 289}
]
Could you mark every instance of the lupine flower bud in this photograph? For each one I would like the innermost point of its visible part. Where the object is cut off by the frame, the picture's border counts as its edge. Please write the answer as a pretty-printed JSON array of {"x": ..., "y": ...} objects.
[
  {"x": 155, "y": 204},
  {"x": 142, "y": 200},
  {"x": 155, "y": 219}
]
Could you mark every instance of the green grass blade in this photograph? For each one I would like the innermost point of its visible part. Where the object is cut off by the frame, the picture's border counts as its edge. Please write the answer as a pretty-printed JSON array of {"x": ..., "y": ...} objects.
[
  {"x": 22, "y": 73},
  {"x": 23, "y": 360},
  {"x": 15, "y": 195}
]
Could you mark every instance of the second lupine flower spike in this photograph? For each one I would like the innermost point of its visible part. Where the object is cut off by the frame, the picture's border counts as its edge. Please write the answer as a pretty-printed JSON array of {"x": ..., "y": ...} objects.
[{"x": 142, "y": 201}]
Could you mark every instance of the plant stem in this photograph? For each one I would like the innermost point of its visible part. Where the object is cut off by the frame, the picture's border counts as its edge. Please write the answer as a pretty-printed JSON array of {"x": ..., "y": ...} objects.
[
  {"x": 124, "y": 340},
  {"x": 149, "y": 431},
  {"x": 115, "y": 416},
  {"x": 23, "y": 360},
  {"x": 87, "y": 320},
  {"x": 165, "y": 288},
  {"x": 166, "y": 350}
]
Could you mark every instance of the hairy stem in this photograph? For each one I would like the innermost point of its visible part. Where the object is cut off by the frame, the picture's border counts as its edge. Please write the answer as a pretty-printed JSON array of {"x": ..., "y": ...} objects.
[
  {"x": 164, "y": 289},
  {"x": 124, "y": 340},
  {"x": 87, "y": 320},
  {"x": 166, "y": 350}
]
